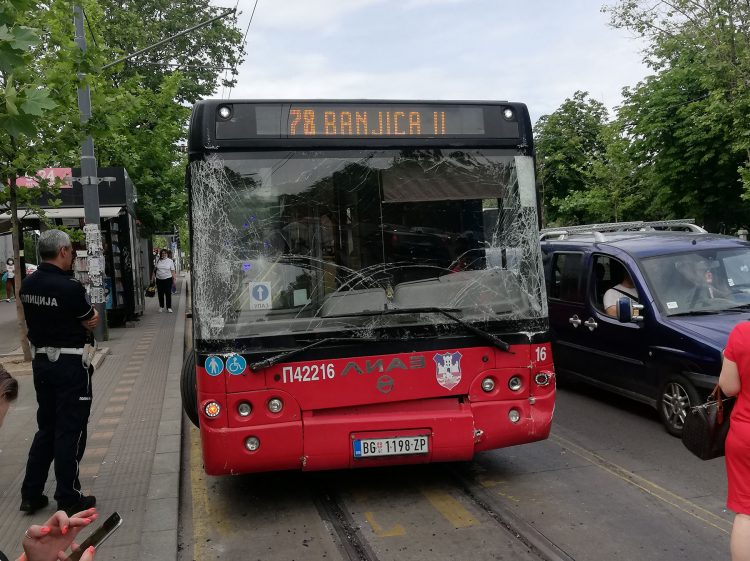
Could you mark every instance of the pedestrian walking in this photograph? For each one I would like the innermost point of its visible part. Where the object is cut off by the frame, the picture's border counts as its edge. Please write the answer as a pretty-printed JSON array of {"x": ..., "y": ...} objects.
[
  {"x": 735, "y": 380},
  {"x": 166, "y": 278},
  {"x": 41, "y": 543},
  {"x": 59, "y": 317},
  {"x": 10, "y": 279}
]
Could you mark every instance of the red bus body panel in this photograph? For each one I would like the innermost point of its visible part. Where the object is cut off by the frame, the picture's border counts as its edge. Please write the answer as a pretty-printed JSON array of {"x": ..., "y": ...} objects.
[{"x": 328, "y": 404}]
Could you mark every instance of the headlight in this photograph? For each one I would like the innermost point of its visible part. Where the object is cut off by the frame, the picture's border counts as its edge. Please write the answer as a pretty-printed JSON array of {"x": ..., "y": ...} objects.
[
  {"x": 514, "y": 415},
  {"x": 515, "y": 383},
  {"x": 252, "y": 443},
  {"x": 488, "y": 384},
  {"x": 244, "y": 409}
]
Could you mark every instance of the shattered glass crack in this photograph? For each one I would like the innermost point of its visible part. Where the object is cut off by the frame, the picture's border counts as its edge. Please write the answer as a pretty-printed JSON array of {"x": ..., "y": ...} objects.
[{"x": 286, "y": 242}]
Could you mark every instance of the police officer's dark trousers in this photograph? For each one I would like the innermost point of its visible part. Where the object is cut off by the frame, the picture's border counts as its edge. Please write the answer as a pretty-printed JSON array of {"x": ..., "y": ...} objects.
[{"x": 63, "y": 392}]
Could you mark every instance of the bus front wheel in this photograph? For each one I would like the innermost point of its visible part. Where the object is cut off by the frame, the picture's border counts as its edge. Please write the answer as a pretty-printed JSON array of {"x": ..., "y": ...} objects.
[{"x": 188, "y": 388}]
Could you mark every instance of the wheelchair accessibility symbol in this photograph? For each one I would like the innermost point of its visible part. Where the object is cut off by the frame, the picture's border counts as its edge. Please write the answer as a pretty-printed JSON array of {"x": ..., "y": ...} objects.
[
  {"x": 236, "y": 364},
  {"x": 214, "y": 365}
]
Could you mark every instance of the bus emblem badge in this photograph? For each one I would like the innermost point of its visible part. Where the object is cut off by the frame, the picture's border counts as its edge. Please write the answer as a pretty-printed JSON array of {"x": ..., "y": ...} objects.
[
  {"x": 385, "y": 384},
  {"x": 448, "y": 369}
]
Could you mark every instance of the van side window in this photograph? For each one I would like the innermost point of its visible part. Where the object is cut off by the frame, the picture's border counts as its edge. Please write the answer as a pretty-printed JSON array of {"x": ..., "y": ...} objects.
[
  {"x": 565, "y": 281},
  {"x": 610, "y": 281}
]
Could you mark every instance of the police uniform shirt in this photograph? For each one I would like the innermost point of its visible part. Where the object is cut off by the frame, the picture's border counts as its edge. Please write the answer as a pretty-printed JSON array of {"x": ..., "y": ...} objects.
[{"x": 55, "y": 304}]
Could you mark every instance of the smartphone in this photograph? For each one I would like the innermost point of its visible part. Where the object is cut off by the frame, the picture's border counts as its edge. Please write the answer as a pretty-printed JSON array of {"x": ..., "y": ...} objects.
[{"x": 97, "y": 538}]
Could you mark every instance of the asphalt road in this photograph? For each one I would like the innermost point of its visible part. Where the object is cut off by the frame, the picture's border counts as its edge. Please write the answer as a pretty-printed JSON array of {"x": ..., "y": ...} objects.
[
  {"x": 9, "y": 340},
  {"x": 610, "y": 483}
]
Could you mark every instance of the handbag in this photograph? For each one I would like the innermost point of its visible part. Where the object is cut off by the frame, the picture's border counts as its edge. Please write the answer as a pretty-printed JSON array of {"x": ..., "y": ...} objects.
[
  {"x": 706, "y": 426},
  {"x": 151, "y": 290}
]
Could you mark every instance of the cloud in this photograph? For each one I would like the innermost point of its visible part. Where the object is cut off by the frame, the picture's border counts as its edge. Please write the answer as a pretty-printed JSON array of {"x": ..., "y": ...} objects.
[{"x": 538, "y": 52}]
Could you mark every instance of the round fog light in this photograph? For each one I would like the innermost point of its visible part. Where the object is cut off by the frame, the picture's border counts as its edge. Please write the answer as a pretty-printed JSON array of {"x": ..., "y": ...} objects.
[
  {"x": 515, "y": 383},
  {"x": 488, "y": 384},
  {"x": 514, "y": 415},
  {"x": 275, "y": 405},
  {"x": 244, "y": 409},
  {"x": 252, "y": 443},
  {"x": 225, "y": 112},
  {"x": 212, "y": 409}
]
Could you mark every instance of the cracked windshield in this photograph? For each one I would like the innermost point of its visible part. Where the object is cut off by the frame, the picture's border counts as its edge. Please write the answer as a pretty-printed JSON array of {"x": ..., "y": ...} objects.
[{"x": 323, "y": 240}]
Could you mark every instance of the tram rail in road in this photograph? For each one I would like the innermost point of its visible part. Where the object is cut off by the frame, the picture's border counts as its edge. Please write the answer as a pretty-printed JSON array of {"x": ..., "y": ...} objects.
[{"x": 430, "y": 507}]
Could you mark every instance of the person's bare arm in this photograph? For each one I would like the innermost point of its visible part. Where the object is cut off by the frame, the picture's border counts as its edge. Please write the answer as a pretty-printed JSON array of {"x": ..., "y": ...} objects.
[{"x": 729, "y": 379}]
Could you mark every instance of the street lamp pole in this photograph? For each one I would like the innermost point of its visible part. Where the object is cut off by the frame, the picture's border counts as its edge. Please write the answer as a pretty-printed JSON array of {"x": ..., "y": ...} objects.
[{"x": 89, "y": 181}]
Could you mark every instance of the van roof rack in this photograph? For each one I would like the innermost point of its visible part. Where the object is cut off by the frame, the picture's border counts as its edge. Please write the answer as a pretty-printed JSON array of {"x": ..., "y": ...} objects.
[{"x": 563, "y": 232}]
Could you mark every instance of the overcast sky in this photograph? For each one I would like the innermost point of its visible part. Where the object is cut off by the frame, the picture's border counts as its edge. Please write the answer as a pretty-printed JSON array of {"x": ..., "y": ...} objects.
[{"x": 535, "y": 51}]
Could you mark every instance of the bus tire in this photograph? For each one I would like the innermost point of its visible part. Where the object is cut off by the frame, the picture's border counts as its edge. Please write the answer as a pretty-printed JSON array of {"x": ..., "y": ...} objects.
[{"x": 188, "y": 388}]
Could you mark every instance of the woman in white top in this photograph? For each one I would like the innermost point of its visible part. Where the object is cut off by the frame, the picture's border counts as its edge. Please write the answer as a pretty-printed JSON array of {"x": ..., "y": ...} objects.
[
  {"x": 10, "y": 283},
  {"x": 166, "y": 277}
]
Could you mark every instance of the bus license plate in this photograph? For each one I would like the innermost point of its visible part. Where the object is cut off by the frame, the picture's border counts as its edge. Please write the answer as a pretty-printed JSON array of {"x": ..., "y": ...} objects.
[{"x": 396, "y": 446}]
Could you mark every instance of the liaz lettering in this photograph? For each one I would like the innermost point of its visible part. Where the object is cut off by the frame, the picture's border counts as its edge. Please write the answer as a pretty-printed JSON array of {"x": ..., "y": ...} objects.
[
  {"x": 308, "y": 373},
  {"x": 380, "y": 365}
]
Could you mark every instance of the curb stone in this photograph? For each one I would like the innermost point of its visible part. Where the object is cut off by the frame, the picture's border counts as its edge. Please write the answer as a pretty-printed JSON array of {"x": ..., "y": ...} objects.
[{"x": 159, "y": 538}]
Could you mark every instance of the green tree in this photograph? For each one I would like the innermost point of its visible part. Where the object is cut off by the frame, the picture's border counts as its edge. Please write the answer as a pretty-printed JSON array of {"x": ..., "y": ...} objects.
[
  {"x": 202, "y": 56},
  {"x": 24, "y": 101},
  {"x": 139, "y": 113},
  {"x": 568, "y": 141},
  {"x": 611, "y": 192},
  {"x": 689, "y": 123}
]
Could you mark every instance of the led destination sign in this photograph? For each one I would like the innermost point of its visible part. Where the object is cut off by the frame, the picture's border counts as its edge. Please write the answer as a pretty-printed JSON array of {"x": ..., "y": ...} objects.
[
  {"x": 367, "y": 120},
  {"x": 379, "y": 121}
]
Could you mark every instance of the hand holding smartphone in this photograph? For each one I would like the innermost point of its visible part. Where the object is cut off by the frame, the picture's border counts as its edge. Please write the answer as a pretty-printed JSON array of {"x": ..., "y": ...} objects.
[{"x": 107, "y": 528}]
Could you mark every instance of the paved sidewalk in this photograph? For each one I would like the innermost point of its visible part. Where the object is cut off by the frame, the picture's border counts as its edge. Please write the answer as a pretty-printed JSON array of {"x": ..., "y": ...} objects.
[{"x": 132, "y": 459}]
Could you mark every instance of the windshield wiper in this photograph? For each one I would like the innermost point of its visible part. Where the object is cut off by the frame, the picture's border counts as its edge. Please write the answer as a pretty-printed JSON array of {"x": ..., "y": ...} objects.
[
  {"x": 698, "y": 313},
  {"x": 481, "y": 333},
  {"x": 275, "y": 359}
]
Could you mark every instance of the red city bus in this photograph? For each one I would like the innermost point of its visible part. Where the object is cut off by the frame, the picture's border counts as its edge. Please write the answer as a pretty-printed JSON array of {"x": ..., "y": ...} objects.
[{"x": 367, "y": 284}]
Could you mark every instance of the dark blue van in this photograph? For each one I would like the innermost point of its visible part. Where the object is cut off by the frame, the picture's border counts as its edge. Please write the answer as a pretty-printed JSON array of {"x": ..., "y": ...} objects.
[{"x": 647, "y": 313}]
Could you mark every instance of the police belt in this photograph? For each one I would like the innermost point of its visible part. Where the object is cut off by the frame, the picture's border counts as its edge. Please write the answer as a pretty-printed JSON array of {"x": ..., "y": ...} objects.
[{"x": 59, "y": 350}]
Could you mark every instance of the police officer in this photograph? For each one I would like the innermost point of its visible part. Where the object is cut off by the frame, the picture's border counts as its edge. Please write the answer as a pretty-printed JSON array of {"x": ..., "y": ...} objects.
[{"x": 59, "y": 317}]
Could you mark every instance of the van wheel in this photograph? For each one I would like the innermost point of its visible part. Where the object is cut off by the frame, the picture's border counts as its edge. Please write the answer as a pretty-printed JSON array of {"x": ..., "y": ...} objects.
[
  {"x": 676, "y": 397},
  {"x": 188, "y": 388}
]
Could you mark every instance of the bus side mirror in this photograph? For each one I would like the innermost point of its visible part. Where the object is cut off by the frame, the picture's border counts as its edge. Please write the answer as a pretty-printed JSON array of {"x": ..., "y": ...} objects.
[{"x": 626, "y": 311}]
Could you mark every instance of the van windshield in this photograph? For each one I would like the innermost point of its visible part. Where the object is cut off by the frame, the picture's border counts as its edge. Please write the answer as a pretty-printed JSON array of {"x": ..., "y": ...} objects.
[{"x": 709, "y": 280}]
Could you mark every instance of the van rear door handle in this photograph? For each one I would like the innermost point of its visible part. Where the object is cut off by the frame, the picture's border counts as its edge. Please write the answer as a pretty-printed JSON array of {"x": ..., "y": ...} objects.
[
  {"x": 591, "y": 324},
  {"x": 575, "y": 321}
]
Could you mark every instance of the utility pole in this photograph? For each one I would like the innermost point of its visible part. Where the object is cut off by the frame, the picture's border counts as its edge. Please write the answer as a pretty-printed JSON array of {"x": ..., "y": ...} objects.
[{"x": 90, "y": 184}]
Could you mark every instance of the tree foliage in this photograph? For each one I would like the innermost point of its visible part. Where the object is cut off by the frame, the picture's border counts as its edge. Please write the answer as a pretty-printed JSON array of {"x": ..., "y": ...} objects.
[
  {"x": 24, "y": 102},
  {"x": 680, "y": 144},
  {"x": 139, "y": 107},
  {"x": 568, "y": 141}
]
